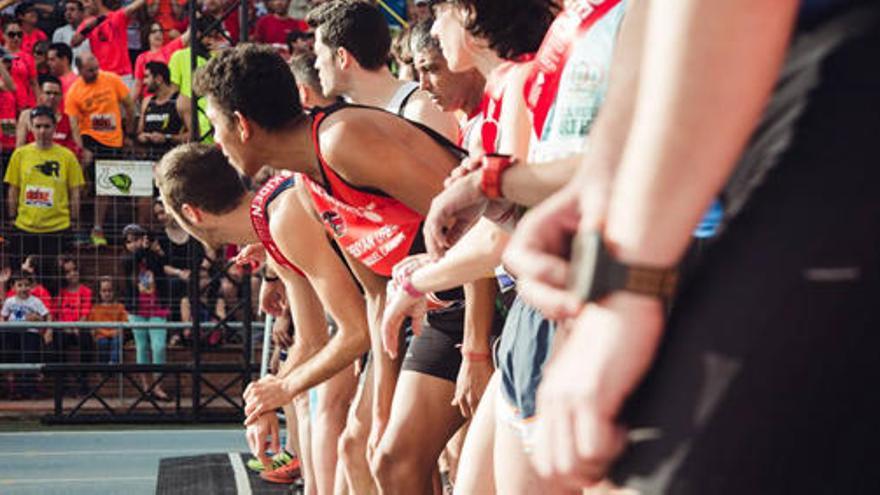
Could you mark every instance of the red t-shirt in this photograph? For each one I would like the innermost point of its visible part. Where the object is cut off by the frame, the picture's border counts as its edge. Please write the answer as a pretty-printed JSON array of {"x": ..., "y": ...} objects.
[
  {"x": 73, "y": 305},
  {"x": 28, "y": 40},
  {"x": 162, "y": 55},
  {"x": 67, "y": 81},
  {"x": 24, "y": 70},
  {"x": 109, "y": 42},
  {"x": 274, "y": 29},
  {"x": 7, "y": 120}
]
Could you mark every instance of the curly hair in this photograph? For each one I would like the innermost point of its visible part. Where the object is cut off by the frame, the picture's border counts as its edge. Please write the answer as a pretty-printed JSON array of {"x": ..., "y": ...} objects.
[
  {"x": 512, "y": 29},
  {"x": 358, "y": 26},
  {"x": 255, "y": 81}
]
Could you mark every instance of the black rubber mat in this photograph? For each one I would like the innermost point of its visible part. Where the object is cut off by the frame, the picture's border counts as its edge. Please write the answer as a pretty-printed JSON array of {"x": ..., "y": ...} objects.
[{"x": 211, "y": 474}]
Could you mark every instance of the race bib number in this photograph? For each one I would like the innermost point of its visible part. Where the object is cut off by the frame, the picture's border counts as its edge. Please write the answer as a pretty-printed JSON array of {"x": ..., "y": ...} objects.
[
  {"x": 39, "y": 197},
  {"x": 103, "y": 122}
]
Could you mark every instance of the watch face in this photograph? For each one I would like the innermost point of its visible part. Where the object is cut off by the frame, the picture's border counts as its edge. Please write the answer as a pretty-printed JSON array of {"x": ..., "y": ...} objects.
[{"x": 584, "y": 260}]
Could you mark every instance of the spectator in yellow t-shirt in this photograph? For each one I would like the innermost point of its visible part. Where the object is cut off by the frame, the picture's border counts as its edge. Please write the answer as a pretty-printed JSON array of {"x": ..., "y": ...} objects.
[
  {"x": 44, "y": 189},
  {"x": 95, "y": 101}
]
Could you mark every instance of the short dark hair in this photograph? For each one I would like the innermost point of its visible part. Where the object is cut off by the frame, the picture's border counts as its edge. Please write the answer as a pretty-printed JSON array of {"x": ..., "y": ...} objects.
[
  {"x": 48, "y": 78},
  {"x": 304, "y": 71},
  {"x": 199, "y": 175},
  {"x": 78, "y": 3},
  {"x": 255, "y": 81},
  {"x": 20, "y": 275},
  {"x": 62, "y": 50},
  {"x": 420, "y": 38},
  {"x": 358, "y": 26},
  {"x": 512, "y": 29},
  {"x": 157, "y": 68}
]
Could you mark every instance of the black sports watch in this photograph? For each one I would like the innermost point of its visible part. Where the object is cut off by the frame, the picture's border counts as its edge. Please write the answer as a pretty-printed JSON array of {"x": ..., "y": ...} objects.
[{"x": 595, "y": 272}]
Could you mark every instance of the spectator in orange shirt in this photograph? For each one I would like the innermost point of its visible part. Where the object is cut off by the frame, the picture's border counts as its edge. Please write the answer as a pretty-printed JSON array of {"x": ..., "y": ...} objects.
[
  {"x": 107, "y": 32},
  {"x": 27, "y": 16},
  {"x": 108, "y": 308},
  {"x": 95, "y": 102},
  {"x": 23, "y": 70}
]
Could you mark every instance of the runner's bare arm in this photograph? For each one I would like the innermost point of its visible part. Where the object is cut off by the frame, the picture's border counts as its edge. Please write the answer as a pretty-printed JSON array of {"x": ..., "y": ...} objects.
[
  {"x": 421, "y": 109},
  {"x": 308, "y": 319},
  {"x": 302, "y": 240}
]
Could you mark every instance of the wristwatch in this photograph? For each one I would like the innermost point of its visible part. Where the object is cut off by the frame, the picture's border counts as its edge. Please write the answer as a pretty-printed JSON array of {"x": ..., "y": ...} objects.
[
  {"x": 493, "y": 166},
  {"x": 595, "y": 273}
]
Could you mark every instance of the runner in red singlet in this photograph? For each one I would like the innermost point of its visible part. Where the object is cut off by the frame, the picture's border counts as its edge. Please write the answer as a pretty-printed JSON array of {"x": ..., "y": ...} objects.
[{"x": 208, "y": 199}]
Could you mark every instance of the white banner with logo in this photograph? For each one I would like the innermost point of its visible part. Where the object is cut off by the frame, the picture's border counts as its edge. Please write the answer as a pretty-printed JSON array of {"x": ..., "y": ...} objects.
[{"x": 124, "y": 177}]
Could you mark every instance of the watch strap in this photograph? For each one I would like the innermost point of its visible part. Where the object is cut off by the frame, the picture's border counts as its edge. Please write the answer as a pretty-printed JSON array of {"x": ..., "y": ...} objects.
[
  {"x": 493, "y": 166},
  {"x": 659, "y": 282}
]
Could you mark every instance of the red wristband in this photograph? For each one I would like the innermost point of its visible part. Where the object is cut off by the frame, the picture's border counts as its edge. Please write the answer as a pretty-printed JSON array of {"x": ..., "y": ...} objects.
[
  {"x": 493, "y": 166},
  {"x": 409, "y": 288},
  {"x": 476, "y": 356}
]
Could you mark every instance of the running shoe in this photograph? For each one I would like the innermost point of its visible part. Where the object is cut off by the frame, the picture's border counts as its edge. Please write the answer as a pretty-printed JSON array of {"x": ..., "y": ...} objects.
[
  {"x": 279, "y": 460},
  {"x": 286, "y": 474}
]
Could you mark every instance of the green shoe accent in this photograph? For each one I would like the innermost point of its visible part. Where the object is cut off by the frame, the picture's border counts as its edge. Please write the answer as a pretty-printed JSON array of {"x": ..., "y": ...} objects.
[{"x": 278, "y": 460}]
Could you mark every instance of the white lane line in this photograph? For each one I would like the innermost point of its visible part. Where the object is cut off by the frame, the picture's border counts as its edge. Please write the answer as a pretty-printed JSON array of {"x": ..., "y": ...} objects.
[
  {"x": 114, "y": 432},
  {"x": 37, "y": 453},
  {"x": 45, "y": 481},
  {"x": 242, "y": 484}
]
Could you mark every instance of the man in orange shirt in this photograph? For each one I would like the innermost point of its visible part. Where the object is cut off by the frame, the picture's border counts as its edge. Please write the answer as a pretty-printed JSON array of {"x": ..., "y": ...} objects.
[{"x": 95, "y": 102}]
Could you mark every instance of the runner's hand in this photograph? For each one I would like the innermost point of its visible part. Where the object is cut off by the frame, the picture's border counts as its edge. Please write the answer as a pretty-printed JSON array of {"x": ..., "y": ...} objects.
[
  {"x": 398, "y": 306},
  {"x": 453, "y": 212},
  {"x": 538, "y": 255},
  {"x": 468, "y": 165},
  {"x": 255, "y": 254},
  {"x": 263, "y": 397},
  {"x": 272, "y": 298},
  {"x": 473, "y": 377},
  {"x": 256, "y": 434}
]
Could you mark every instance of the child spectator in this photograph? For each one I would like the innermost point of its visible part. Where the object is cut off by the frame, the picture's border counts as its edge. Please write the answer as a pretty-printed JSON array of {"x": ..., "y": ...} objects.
[
  {"x": 38, "y": 290},
  {"x": 107, "y": 308},
  {"x": 144, "y": 298},
  {"x": 275, "y": 26},
  {"x": 74, "y": 303},
  {"x": 23, "y": 346}
]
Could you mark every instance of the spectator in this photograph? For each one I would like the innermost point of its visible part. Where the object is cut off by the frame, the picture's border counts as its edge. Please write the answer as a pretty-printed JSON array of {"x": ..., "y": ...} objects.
[
  {"x": 107, "y": 33},
  {"x": 66, "y": 131},
  {"x": 23, "y": 70},
  {"x": 181, "y": 73},
  {"x": 27, "y": 17},
  {"x": 170, "y": 14},
  {"x": 144, "y": 299},
  {"x": 299, "y": 42},
  {"x": 44, "y": 190},
  {"x": 159, "y": 52},
  {"x": 211, "y": 310},
  {"x": 40, "y": 57},
  {"x": 8, "y": 112},
  {"x": 160, "y": 126},
  {"x": 60, "y": 57},
  {"x": 74, "y": 303},
  {"x": 95, "y": 103},
  {"x": 23, "y": 346},
  {"x": 421, "y": 10},
  {"x": 74, "y": 15},
  {"x": 108, "y": 308},
  {"x": 275, "y": 26},
  {"x": 29, "y": 268}
]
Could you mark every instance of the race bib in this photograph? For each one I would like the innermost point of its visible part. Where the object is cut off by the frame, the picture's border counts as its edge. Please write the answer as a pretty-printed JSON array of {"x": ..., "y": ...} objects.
[
  {"x": 103, "y": 122},
  {"x": 39, "y": 197}
]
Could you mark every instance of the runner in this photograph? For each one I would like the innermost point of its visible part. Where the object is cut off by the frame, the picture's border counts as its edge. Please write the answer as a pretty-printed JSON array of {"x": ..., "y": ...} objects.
[
  {"x": 373, "y": 213},
  {"x": 559, "y": 125},
  {"x": 207, "y": 197},
  {"x": 353, "y": 45}
]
